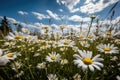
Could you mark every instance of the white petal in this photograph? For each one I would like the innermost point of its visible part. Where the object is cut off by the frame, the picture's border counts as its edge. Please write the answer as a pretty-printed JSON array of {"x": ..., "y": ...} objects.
[
  {"x": 89, "y": 54},
  {"x": 99, "y": 64},
  {"x": 77, "y": 56},
  {"x": 84, "y": 67},
  {"x": 91, "y": 67},
  {"x": 97, "y": 67}
]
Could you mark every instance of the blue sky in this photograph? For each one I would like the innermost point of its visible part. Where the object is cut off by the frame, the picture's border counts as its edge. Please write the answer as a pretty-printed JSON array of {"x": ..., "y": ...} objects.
[{"x": 59, "y": 11}]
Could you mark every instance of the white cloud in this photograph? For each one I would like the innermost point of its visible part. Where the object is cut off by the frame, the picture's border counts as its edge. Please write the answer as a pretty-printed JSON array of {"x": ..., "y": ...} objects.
[
  {"x": 22, "y": 12},
  {"x": 61, "y": 10},
  {"x": 70, "y": 4},
  {"x": 40, "y": 16},
  {"x": 91, "y": 6},
  {"x": 87, "y": 1},
  {"x": 12, "y": 20},
  {"x": 75, "y": 10},
  {"x": 77, "y": 18},
  {"x": 53, "y": 15}
]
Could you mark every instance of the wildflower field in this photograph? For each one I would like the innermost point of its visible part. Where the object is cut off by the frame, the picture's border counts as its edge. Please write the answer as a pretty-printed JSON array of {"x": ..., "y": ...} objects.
[
  {"x": 90, "y": 52},
  {"x": 84, "y": 55}
]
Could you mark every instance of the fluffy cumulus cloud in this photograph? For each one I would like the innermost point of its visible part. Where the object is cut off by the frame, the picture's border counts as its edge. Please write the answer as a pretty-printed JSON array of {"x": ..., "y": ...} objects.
[
  {"x": 40, "y": 16},
  {"x": 22, "y": 13},
  {"x": 53, "y": 15},
  {"x": 77, "y": 18},
  {"x": 70, "y": 4},
  {"x": 92, "y": 6}
]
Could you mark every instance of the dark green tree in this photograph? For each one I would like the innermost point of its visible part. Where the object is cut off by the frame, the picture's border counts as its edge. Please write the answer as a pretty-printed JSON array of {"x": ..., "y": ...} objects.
[{"x": 5, "y": 28}]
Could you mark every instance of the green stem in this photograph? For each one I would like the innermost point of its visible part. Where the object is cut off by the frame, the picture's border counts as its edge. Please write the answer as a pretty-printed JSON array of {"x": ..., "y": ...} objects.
[
  {"x": 89, "y": 27},
  {"x": 86, "y": 75},
  {"x": 31, "y": 74}
]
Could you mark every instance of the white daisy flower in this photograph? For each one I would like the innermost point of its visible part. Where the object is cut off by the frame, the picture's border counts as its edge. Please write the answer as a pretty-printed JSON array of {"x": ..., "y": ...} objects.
[
  {"x": 85, "y": 60},
  {"x": 66, "y": 42},
  {"x": 75, "y": 48},
  {"x": 16, "y": 35},
  {"x": 17, "y": 65},
  {"x": 10, "y": 56},
  {"x": 52, "y": 77},
  {"x": 46, "y": 46},
  {"x": 91, "y": 37},
  {"x": 25, "y": 30},
  {"x": 41, "y": 65},
  {"x": 55, "y": 44},
  {"x": 77, "y": 76},
  {"x": 3, "y": 60},
  {"x": 31, "y": 38},
  {"x": 9, "y": 43},
  {"x": 84, "y": 43},
  {"x": 107, "y": 48},
  {"x": 53, "y": 57},
  {"x": 64, "y": 61}
]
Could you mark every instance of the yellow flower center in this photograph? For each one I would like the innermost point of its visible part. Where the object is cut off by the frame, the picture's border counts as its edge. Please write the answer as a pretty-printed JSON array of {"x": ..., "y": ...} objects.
[
  {"x": 106, "y": 49},
  {"x": 53, "y": 58},
  {"x": 62, "y": 26},
  {"x": 56, "y": 44},
  {"x": 81, "y": 37},
  {"x": 66, "y": 43},
  {"x": 52, "y": 78},
  {"x": 10, "y": 55},
  {"x": 45, "y": 46},
  {"x": 18, "y": 37},
  {"x": 46, "y": 27},
  {"x": 87, "y": 61},
  {"x": 41, "y": 65},
  {"x": 90, "y": 37},
  {"x": 108, "y": 33}
]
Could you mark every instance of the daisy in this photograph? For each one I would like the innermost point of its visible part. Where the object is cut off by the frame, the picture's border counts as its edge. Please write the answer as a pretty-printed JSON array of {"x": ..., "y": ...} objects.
[
  {"x": 77, "y": 76},
  {"x": 52, "y": 77},
  {"x": 57, "y": 35},
  {"x": 64, "y": 61},
  {"x": 91, "y": 37},
  {"x": 53, "y": 57},
  {"x": 84, "y": 43},
  {"x": 75, "y": 48},
  {"x": 85, "y": 60},
  {"x": 41, "y": 65},
  {"x": 107, "y": 48},
  {"x": 46, "y": 46},
  {"x": 16, "y": 35},
  {"x": 66, "y": 42},
  {"x": 81, "y": 36},
  {"x": 10, "y": 56},
  {"x": 31, "y": 38},
  {"x": 25, "y": 31},
  {"x": 55, "y": 44},
  {"x": 3, "y": 60},
  {"x": 17, "y": 65},
  {"x": 9, "y": 43}
]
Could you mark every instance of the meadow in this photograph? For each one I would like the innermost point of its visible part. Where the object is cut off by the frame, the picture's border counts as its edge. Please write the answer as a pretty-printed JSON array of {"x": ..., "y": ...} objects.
[{"x": 83, "y": 55}]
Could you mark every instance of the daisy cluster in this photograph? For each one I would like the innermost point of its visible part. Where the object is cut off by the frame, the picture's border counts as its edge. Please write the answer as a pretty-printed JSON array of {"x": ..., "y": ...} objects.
[{"x": 60, "y": 56}]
